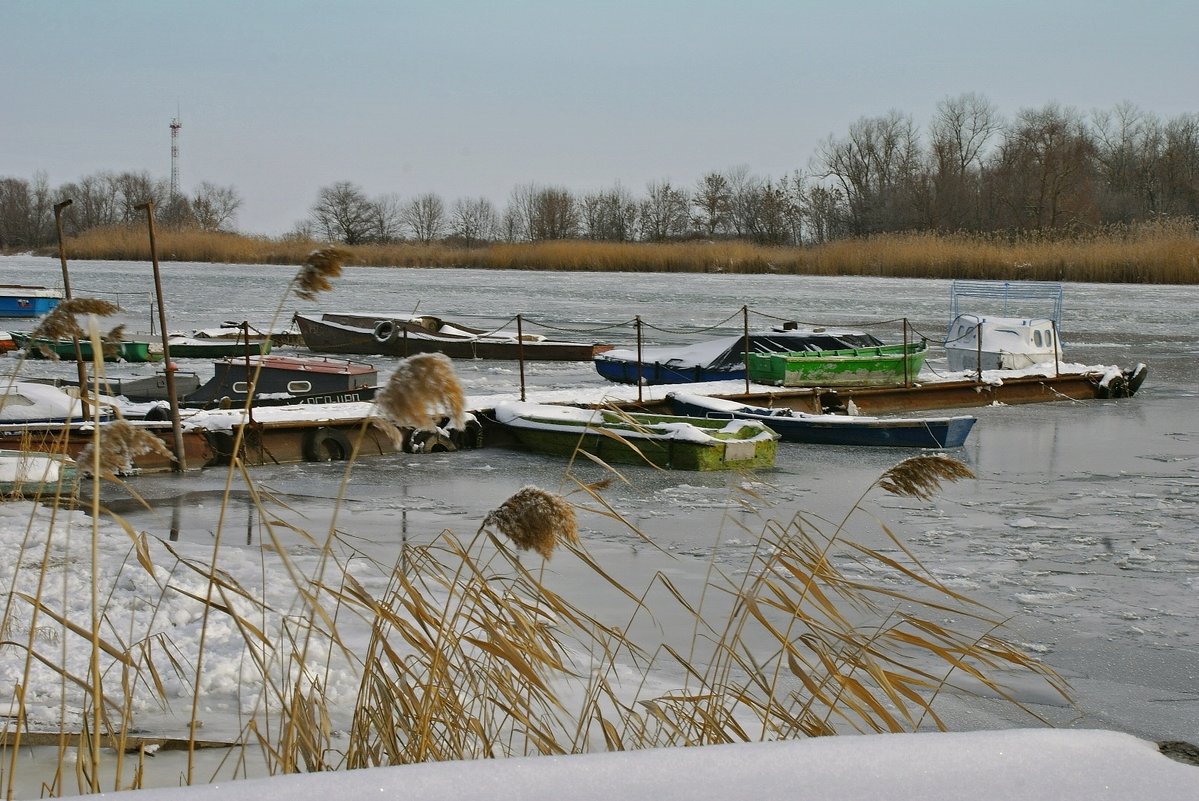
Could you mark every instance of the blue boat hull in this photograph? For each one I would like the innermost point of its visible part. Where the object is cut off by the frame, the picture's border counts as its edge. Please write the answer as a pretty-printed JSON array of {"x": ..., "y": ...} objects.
[
  {"x": 26, "y": 306},
  {"x": 906, "y": 432},
  {"x": 653, "y": 373}
]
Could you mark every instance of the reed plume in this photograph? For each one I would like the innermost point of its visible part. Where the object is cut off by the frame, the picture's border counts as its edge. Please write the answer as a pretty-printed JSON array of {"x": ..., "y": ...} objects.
[
  {"x": 321, "y": 265},
  {"x": 423, "y": 389},
  {"x": 63, "y": 321},
  {"x": 119, "y": 443},
  {"x": 535, "y": 520},
  {"x": 921, "y": 476}
]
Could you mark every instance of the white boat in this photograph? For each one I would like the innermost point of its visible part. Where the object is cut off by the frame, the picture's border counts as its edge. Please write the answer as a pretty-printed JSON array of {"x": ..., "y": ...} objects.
[
  {"x": 25, "y": 402},
  {"x": 997, "y": 339}
]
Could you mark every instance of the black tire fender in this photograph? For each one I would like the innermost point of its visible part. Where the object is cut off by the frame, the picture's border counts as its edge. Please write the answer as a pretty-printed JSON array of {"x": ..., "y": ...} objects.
[
  {"x": 326, "y": 445},
  {"x": 427, "y": 440},
  {"x": 385, "y": 331},
  {"x": 158, "y": 414}
]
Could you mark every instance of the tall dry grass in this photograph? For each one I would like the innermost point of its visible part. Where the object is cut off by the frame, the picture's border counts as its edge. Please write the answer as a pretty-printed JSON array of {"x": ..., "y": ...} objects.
[{"x": 1161, "y": 253}]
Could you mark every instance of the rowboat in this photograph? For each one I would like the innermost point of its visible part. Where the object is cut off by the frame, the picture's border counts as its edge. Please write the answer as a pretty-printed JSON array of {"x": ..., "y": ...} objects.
[
  {"x": 18, "y": 300},
  {"x": 721, "y": 359},
  {"x": 38, "y": 348},
  {"x": 396, "y": 336},
  {"x": 215, "y": 348},
  {"x": 680, "y": 443},
  {"x": 833, "y": 429},
  {"x": 29, "y": 402},
  {"x": 884, "y": 365},
  {"x": 32, "y": 473}
]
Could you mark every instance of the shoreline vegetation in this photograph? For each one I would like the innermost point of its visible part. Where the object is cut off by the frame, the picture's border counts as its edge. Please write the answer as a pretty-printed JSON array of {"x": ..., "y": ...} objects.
[{"x": 1152, "y": 253}]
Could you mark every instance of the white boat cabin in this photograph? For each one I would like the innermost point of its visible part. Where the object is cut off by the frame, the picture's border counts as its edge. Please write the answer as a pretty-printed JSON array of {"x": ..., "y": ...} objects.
[{"x": 976, "y": 342}]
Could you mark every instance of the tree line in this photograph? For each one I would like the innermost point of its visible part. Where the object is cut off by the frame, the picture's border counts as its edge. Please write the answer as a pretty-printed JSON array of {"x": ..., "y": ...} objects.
[{"x": 1049, "y": 169}]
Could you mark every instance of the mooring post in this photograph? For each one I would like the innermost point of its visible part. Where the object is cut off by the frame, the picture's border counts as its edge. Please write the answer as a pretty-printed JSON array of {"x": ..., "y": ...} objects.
[
  {"x": 520, "y": 354},
  {"x": 168, "y": 366},
  {"x": 907, "y": 382},
  {"x": 1057, "y": 370},
  {"x": 745, "y": 333},
  {"x": 637, "y": 326},
  {"x": 66, "y": 291}
]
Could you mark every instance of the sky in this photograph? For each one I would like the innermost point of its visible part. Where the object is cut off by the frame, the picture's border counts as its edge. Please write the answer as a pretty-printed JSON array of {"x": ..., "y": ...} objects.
[{"x": 471, "y": 98}]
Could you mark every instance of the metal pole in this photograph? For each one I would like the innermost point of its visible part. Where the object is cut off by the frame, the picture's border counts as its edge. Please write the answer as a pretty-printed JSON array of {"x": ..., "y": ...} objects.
[
  {"x": 637, "y": 325},
  {"x": 520, "y": 354},
  {"x": 907, "y": 382},
  {"x": 745, "y": 331},
  {"x": 1057, "y": 370},
  {"x": 168, "y": 366},
  {"x": 66, "y": 291}
]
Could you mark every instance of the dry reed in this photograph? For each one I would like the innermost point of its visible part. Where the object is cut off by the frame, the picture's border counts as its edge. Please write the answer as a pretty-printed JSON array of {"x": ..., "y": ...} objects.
[
  {"x": 1162, "y": 252},
  {"x": 423, "y": 389},
  {"x": 119, "y": 442},
  {"x": 320, "y": 266},
  {"x": 535, "y": 520}
]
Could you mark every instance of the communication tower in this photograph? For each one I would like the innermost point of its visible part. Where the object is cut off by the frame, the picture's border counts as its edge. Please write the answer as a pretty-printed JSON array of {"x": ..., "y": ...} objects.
[{"x": 175, "y": 126}]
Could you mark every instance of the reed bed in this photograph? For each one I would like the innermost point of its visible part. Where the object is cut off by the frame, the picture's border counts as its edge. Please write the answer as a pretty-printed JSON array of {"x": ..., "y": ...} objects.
[
  {"x": 1162, "y": 253},
  {"x": 461, "y": 647}
]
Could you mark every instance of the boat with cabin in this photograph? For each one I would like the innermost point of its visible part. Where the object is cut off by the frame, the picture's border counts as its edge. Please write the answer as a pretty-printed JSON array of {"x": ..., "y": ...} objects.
[{"x": 997, "y": 333}]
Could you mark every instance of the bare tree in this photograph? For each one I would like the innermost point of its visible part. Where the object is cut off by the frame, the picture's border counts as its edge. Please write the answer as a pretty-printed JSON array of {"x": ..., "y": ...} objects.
[
  {"x": 342, "y": 213},
  {"x": 960, "y": 132},
  {"x": 519, "y": 213},
  {"x": 712, "y": 201},
  {"x": 473, "y": 220},
  {"x": 386, "y": 218},
  {"x": 609, "y": 215},
  {"x": 555, "y": 215},
  {"x": 136, "y": 188},
  {"x": 664, "y": 212},
  {"x": 215, "y": 207},
  {"x": 424, "y": 216}
]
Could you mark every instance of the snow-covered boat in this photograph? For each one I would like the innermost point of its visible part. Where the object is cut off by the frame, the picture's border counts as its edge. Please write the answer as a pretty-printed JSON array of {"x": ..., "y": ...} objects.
[
  {"x": 29, "y": 402},
  {"x": 720, "y": 359},
  {"x": 30, "y": 473},
  {"x": 832, "y": 429},
  {"x": 680, "y": 443},
  {"x": 18, "y": 300},
  {"x": 998, "y": 338}
]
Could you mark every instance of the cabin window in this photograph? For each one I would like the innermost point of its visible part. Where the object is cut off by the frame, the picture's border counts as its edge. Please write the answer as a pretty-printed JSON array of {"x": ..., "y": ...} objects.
[
  {"x": 1036, "y": 339},
  {"x": 240, "y": 386},
  {"x": 299, "y": 387}
]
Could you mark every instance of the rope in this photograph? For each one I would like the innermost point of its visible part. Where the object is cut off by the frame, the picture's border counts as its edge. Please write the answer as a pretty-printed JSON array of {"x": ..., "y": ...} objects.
[{"x": 865, "y": 324}]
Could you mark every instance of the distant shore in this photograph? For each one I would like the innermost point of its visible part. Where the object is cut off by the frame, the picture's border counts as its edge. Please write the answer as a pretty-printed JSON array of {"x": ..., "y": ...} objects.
[{"x": 1162, "y": 254}]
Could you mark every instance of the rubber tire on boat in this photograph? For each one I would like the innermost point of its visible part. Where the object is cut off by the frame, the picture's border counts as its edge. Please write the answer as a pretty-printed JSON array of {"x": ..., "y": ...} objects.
[
  {"x": 385, "y": 331},
  {"x": 158, "y": 414},
  {"x": 325, "y": 445},
  {"x": 429, "y": 441},
  {"x": 1116, "y": 387}
]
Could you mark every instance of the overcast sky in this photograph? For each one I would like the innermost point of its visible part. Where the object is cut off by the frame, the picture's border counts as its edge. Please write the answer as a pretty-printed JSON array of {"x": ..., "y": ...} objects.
[{"x": 280, "y": 97}]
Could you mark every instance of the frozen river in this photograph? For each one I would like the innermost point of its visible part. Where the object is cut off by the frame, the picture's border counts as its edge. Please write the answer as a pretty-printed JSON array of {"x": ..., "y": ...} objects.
[{"x": 1081, "y": 528}]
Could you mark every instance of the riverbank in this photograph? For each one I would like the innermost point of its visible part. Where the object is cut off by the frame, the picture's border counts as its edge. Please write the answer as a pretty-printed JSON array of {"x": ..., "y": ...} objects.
[{"x": 1167, "y": 253}]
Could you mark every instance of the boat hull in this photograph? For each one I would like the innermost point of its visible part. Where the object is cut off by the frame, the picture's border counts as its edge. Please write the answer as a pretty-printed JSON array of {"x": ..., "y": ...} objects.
[
  {"x": 645, "y": 439},
  {"x": 830, "y": 429},
  {"x": 63, "y": 349},
  {"x": 887, "y": 365},
  {"x": 355, "y": 334},
  {"x": 657, "y": 374},
  {"x": 27, "y": 301},
  {"x": 32, "y": 473}
]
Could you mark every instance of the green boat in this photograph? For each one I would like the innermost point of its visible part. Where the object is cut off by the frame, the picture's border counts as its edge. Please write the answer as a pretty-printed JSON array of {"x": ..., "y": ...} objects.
[
  {"x": 65, "y": 349},
  {"x": 679, "y": 443},
  {"x": 884, "y": 365}
]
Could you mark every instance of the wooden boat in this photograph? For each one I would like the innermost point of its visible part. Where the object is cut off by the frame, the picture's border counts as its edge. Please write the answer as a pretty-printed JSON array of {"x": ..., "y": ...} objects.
[
  {"x": 833, "y": 429},
  {"x": 720, "y": 359},
  {"x": 195, "y": 347},
  {"x": 6, "y": 342},
  {"x": 680, "y": 443},
  {"x": 132, "y": 351},
  {"x": 33, "y": 473},
  {"x": 18, "y": 300},
  {"x": 1003, "y": 341},
  {"x": 391, "y": 336},
  {"x": 849, "y": 367},
  {"x": 284, "y": 380}
]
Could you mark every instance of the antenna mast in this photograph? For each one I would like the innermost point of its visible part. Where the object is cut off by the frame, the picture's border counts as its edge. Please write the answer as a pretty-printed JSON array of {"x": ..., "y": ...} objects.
[{"x": 175, "y": 126}]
